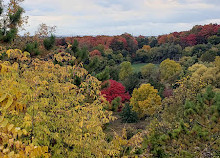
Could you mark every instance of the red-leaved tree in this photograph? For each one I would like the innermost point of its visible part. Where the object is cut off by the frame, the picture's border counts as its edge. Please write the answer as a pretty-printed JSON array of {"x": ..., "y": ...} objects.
[
  {"x": 95, "y": 53},
  {"x": 114, "y": 90}
]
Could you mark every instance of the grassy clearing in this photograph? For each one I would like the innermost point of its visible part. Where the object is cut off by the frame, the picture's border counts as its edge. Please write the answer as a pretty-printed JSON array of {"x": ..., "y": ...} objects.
[{"x": 137, "y": 67}]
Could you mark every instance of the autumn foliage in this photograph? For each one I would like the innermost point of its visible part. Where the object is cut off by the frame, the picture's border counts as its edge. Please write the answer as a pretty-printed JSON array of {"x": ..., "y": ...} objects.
[
  {"x": 114, "y": 90},
  {"x": 95, "y": 53},
  {"x": 145, "y": 100},
  {"x": 197, "y": 35},
  {"x": 64, "y": 102}
]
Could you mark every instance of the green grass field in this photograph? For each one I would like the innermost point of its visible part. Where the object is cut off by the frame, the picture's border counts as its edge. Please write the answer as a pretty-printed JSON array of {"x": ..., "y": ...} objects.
[{"x": 137, "y": 67}]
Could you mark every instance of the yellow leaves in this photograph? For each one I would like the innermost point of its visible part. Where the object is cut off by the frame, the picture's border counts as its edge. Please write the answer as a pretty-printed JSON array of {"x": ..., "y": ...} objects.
[
  {"x": 202, "y": 75},
  {"x": 57, "y": 108},
  {"x": 126, "y": 70},
  {"x": 120, "y": 143},
  {"x": 113, "y": 152},
  {"x": 2, "y": 116},
  {"x": 20, "y": 133},
  {"x": 26, "y": 54},
  {"x": 146, "y": 47},
  {"x": 24, "y": 132},
  {"x": 3, "y": 68},
  {"x": 15, "y": 66},
  {"x": 217, "y": 61},
  {"x": 9, "y": 103},
  {"x": 11, "y": 154},
  {"x": 136, "y": 141},
  {"x": 10, "y": 127},
  {"x": 4, "y": 123},
  {"x": 81, "y": 124},
  {"x": 8, "y": 52},
  {"x": 196, "y": 66},
  {"x": 16, "y": 54},
  {"x": 3, "y": 97},
  {"x": 149, "y": 70},
  {"x": 6, "y": 101},
  {"x": 63, "y": 57},
  {"x": 187, "y": 125},
  {"x": 169, "y": 69},
  {"x": 145, "y": 100},
  {"x": 35, "y": 151},
  {"x": 124, "y": 133},
  {"x": 5, "y": 151}
]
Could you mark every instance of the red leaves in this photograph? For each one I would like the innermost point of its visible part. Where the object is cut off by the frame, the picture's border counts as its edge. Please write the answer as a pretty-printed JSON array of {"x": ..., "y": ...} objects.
[
  {"x": 90, "y": 41},
  {"x": 162, "y": 39},
  {"x": 114, "y": 90},
  {"x": 95, "y": 53},
  {"x": 118, "y": 43},
  {"x": 191, "y": 40},
  {"x": 197, "y": 35}
]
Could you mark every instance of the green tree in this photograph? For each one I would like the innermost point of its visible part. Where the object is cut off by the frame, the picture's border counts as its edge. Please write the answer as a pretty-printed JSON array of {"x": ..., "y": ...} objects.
[
  {"x": 11, "y": 20},
  {"x": 217, "y": 62},
  {"x": 114, "y": 72},
  {"x": 32, "y": 48},
  {"x": 104, "y": 75},
  {"x": 208, "y": 56},
  {"x": 187, "y": 61},
  {"x": 75, "y": 47},
  {"x": 214, "y": 39},
  {"x": 143, "y": 55},
  {"x": 199, "y": 49},
  {"x": 199, "y": 125},
  {"x": 149, "y": 71},
  {"x": 170, "y": 70},
  {"x": 82, "y": 55},
  {"x": 131, "y": 82},
  {"x": 128, "y": 115},
  {"x": 49, "y": 42},
  {"x": 125, "y": 70},
  {"x": 115, "y": 104}
]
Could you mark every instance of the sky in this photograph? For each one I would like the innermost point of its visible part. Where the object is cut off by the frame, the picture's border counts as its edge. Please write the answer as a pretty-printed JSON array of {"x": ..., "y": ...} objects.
[{"x": 115, "y": 17}]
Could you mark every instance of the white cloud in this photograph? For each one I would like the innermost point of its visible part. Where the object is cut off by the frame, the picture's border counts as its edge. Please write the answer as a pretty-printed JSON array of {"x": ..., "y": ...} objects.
[{"x": 147, "y": 17}]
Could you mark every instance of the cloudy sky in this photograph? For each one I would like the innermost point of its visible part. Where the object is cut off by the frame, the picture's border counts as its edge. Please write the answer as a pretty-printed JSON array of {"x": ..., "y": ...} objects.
[{"x": 113, "y": 17}]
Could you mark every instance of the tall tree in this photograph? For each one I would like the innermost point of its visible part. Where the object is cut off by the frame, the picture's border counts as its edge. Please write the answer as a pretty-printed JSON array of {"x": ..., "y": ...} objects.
[
  {"x": 11, "y": 19},
  {"x": 145, "y": 100},
  {"x": 170, "y": 70}
]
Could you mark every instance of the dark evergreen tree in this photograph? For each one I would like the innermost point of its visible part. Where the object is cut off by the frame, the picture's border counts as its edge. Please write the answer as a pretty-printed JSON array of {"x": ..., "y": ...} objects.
[
  {"x": 49, "y": 42},
  {"x": 128, "y": 115},
  {"x": 104, "y": 75}
]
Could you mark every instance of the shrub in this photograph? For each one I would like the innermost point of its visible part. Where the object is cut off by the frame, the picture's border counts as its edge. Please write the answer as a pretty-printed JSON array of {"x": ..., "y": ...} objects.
[
  {"x": 128, "y": 115},
  {"x": 49, "y": 42},
  {"x": 32, "y": 48},
  {"x": 115, "y": 105},
  {"x": 115, "y": 90}
]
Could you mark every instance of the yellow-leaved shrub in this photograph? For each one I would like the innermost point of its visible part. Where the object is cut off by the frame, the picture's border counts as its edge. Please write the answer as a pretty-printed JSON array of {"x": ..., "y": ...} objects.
[{"x": 145, "y": 100}]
